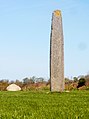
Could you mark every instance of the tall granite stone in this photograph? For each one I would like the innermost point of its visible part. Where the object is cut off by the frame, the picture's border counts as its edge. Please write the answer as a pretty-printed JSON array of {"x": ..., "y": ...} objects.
[{"x": 57, "y": 53}]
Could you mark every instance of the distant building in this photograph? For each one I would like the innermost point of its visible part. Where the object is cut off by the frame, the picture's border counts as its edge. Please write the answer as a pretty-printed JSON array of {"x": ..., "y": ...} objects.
[{"x": 13, "y": 87}]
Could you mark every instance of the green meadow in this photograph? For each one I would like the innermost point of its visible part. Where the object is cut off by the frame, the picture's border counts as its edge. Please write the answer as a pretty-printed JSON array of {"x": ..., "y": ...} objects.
[{"x": 44, "y": 105}]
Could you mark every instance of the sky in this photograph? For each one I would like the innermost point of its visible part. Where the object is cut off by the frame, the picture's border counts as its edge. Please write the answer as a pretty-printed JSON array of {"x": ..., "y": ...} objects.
[{"x": 25, "y": 27}]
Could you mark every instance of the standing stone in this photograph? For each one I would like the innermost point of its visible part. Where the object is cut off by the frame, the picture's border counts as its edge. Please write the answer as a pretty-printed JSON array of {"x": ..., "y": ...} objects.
[{"x": 57, "y": 53}]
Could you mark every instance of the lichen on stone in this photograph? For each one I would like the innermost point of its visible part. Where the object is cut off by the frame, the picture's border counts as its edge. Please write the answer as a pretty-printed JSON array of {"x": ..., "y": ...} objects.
[{"x": 57, "y": 13}]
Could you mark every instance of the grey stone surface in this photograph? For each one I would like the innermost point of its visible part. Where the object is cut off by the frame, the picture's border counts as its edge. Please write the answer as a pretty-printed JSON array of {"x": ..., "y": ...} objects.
[{"x": 57, "y": 53}]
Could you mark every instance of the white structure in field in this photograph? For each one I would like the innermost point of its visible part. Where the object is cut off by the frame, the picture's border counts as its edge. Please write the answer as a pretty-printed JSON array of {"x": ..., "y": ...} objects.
[{"x": 13, "y": 87}]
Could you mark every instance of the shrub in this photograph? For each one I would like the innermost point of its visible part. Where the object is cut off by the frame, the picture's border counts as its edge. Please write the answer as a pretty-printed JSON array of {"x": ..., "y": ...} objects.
[{"x": 81, "y": 82}]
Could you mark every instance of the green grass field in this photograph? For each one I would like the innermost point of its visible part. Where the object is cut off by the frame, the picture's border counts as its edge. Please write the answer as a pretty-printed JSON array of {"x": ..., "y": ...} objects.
[{"x": 43, "y": 105}]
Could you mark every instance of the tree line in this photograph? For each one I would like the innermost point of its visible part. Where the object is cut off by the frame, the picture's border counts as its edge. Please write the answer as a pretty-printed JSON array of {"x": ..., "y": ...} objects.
[{"x": 37, "y": 83}]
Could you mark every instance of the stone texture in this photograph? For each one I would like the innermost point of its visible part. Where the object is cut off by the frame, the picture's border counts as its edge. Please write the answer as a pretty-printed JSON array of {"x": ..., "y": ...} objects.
[{"x": 57, "y": 53}]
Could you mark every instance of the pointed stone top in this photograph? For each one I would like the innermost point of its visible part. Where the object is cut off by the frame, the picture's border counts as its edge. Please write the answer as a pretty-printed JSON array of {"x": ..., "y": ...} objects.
[{"x": 57, "y": 13}]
